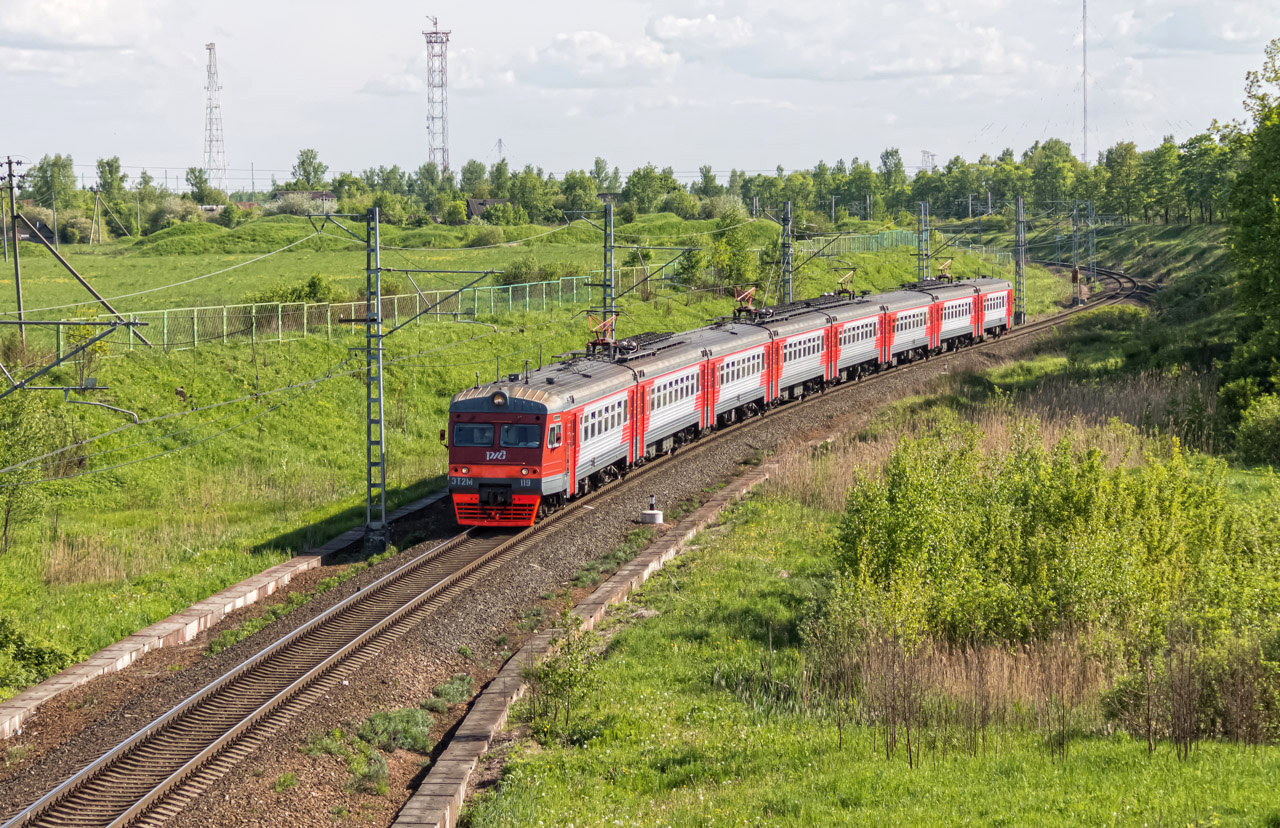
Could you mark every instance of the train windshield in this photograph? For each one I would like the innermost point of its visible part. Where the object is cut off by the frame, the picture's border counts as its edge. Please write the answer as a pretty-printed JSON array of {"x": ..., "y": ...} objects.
[
  {"x": 515, "y": 435},
  {"x": 473, "y": 434}
]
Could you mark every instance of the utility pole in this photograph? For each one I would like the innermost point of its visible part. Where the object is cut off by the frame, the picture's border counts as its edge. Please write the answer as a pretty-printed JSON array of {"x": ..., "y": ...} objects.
[
  {"x": 253, "y": 184},
  {"x": 867, "y": 217},
  {"x": 787, "y": 293},
  {"x": 1020, "y": 268},
  {"x": 215, "y": 152},
  {"x": 833, "y": 209},
  {"x": 1093, "y": 249},
  {"x": 4, "y": 226},
  {"x": 17, "y": 262},
  {"x": 922, "y": 243},
  {"x": 1076, "y": 298},
  {"x": 375, "y": 539},
  {"x": 53, "y": 199}
]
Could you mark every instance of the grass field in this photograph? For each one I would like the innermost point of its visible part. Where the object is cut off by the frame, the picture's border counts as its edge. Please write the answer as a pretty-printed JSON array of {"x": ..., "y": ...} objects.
[{"x": 662, "y": 744}]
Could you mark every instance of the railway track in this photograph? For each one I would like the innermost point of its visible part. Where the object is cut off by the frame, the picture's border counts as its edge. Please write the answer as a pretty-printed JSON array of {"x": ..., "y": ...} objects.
[{"x": 154, "y": 774}]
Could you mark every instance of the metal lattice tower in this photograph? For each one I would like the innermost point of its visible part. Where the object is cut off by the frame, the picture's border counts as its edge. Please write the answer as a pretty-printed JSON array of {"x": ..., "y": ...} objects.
[
  {"x": 1084, "y": 74},
  {"x": 437, "y": 95},
  {"x": 215, "y": 153}
]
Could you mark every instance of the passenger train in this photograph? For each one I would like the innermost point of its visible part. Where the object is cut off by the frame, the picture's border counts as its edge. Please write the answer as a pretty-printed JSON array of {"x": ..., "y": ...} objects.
[{"x": 521, "y": 448}]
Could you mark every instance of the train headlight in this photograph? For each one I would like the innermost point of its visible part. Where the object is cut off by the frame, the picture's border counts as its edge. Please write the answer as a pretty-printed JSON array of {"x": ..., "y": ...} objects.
[
  {"x": 525, "y": 472},
  {"x": 466, "y": 470}
]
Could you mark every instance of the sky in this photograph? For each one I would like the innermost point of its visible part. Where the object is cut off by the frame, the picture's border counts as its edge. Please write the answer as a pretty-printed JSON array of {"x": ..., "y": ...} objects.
[{"x": 749, "y": 85}]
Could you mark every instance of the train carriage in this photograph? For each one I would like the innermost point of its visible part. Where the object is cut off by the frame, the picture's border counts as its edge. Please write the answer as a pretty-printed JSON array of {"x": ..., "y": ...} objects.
[{"x": 522, "y": 446}]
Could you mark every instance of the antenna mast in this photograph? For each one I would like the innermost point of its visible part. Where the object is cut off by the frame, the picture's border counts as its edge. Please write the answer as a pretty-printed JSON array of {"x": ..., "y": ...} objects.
[
  {"x": 215, "y": 154},
  {"x": 1084, "y": 75},
  {"x": 437, "y": 95}
]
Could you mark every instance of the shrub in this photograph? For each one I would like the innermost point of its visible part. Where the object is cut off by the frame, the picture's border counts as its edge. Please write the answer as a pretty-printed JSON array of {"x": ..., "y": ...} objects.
[
  {"x": 292, "y": 204},
  {"x": 75, "y": 230},
  {"x": 523, "y": 269},
  {"x": 284, "y": 782},
  {"x": 680, "y": 202},
  {"x": 626, "y": 213},
  {"x": 1258, "y": 437},
  {"x": 24, "y": 660},
  {"x": 315, "y": 289},
  {"x": 408, "y": 728},
  {"x": 487, "y": 236},
  {"x": 456, "y": 690},
  {"x": 455, "y": 213},
  {"x": 172, "y": 211},
  {"x": 435, "y": 705}
]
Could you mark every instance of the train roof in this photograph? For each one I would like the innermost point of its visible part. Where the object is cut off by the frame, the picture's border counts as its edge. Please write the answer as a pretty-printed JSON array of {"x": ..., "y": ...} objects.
[
  {"x": 986, "y": 284},
  {"x": 900, "y": 300}
]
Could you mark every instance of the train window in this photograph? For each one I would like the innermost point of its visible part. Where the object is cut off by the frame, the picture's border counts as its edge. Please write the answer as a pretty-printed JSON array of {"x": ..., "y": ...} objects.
[
  {"x": 520, "y": 435},
  {"x": 472, "y": 434},
  {"x": 553, "y": 436}
]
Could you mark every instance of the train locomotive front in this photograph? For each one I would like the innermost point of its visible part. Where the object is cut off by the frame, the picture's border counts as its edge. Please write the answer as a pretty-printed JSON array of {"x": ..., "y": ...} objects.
[{"x": 506, "y": 457}]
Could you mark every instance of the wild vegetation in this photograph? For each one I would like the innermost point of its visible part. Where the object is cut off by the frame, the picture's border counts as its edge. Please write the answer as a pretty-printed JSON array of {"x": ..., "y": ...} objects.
[{"x": 1038, "y": 620}]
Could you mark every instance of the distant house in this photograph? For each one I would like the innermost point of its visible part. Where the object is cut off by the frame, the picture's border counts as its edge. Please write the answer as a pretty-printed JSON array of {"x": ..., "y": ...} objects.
[
  {"x": 247, "y": 205},
  {"x": 328, "y": 201},
  {"x": 477, "y": 206},
  {"x": 24, "y": 233},
  {"x": 609, "y": 198}
]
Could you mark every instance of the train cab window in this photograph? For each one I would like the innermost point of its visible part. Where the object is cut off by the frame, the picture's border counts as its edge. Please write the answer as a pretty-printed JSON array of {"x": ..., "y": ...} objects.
[
  {"x": 521, "y": 435},
  {"x": 553, "y": 436},
  {"x": 472, "y": 434}
]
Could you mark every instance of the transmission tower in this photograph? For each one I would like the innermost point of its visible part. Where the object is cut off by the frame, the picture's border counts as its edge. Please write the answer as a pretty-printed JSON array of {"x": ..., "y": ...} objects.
[
  {"x": 1084, "y": 73},
  {"x": 215, "y": 154},
  {"x": 437, "y": 95}
]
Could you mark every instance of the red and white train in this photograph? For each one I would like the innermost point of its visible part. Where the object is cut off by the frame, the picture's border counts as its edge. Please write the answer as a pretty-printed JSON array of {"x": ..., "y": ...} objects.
[{"x": 524, "y": 447}]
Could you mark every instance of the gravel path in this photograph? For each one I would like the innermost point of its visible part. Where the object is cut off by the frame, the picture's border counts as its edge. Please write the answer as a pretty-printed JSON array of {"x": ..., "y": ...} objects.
[{"x": 415, "y": 664}]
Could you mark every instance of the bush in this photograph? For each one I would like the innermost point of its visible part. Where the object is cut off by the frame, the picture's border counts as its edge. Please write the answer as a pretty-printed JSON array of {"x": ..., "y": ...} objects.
[
  {"x": 487, "y": 236},
  {"x": 1258, "y": 437},
  {"x": 292, "y": 204},
  {"x": 24, "y": 660},
  {"x": 523, "y": 269},
  {"x": 435, "y": 705},
  {"x": 170, "y": 212},
  {"x": 680, "y": 202},
  {"x": 456, "y": 690},
  {"x": 408, "y": 728},
  {"x": 626, "y": 213},
  {"x": 455, "y": 213},
  {"x": 75, "y": 230},
  {"x": 316, "y": 289}
]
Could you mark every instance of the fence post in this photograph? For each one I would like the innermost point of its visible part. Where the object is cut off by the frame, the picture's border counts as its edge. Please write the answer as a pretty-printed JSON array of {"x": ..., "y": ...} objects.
[
  {"x": 224, "y": 324},
  {"x": 59, "y": 328},
  {"x": 280, "y": 322},
  {"x": 164, "y": 332},
  {"x": 395, "y": 309},
  {"x": 304, "y": 320},
  {"x": 328, "y": 325},
  {"x": 195, "y": 328},
  {"x": 253, "y": 329}
]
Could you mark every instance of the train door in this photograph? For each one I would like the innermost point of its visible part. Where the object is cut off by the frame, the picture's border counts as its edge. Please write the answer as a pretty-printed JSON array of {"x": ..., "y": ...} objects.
[
  {"x": 977, "y": 316},
  {"x": 571, "y": 448}
]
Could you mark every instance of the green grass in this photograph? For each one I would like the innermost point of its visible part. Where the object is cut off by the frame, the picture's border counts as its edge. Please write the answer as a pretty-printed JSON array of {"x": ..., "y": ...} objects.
[
  {"x": 662, "y": 745},
  {"x": 456, "y": 690}
]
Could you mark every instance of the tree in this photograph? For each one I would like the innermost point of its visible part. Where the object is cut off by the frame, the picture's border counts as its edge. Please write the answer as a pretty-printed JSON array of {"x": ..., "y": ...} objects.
[
  {"x": 643, "y": 188},
  {"x": 1202, "y": 170},
  {"x": 51, "y": 180},
  {"x": 1159, "y": 177},
  {"x": 499, "y": 179},
  {"x": 1123, "y": 194},
  {"x": 202, "y": 192},
  {"x": 579, "y": 191},
  {"x": 474, "y": 180},
  {"x": 308, "y": 172},
  {"x": 23, "y": 426},
  {"x": 681, "y": 203},
  {"x": 706, "y": 185},
  {"x": 1255, "y": 233},
  {"x": 531, "y": 193},
  {"x": 505, "y": 213},
  {"x": 606, "y": 181},
  {"x": 110, "y": 180}
]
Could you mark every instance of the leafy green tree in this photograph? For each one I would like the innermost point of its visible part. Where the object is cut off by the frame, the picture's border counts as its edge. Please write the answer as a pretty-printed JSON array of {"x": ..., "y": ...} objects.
[
  {"x": 1124, "y": 190},
  {"x": 606, "y": 181},
  {"x": 500, "y": 179},
  {"x": 1161, "y": 189},
  {"x": 308, "y": 172},
  {"x": 202, "y": 192},
  {"x": 347, "y": 186},
  {"x": 426, "y": 181},
  {"x": 52, "y": 180},
  {"x": 1255, "y": 231},
  {"x": 531, "y": 193},
  {"x": 579, "y": 191},
  {"x": 681, "y": 203},
  {"x": 474, "y": 180},
  {"x": 1053, "y": 170},
  {"x": 643, "y": 188},
  {"x": 1202, "y": 169},
  {"x": 455, "y": 213},
  {"x": 505, "y": 214},
  {"x": 111, "y": 180},
  {"x": 706, "y": 185}
]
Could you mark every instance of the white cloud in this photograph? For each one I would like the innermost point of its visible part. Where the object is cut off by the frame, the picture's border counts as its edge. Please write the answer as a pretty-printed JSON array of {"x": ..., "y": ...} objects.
[
  {"x": 592, "y": 59},
  {"x": 691, "y": 34}
]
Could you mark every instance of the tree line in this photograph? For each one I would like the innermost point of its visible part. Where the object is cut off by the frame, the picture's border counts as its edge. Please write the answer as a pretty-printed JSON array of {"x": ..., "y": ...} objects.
[{"x": 1171, "y": 182}]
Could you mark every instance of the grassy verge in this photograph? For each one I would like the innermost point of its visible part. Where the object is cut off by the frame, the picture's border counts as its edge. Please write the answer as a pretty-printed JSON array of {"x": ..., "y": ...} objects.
[{"x": 663, "y": 744}]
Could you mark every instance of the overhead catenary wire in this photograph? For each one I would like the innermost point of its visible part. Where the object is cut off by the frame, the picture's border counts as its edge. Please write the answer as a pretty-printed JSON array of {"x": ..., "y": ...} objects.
[{"x": 174, "y": 284}]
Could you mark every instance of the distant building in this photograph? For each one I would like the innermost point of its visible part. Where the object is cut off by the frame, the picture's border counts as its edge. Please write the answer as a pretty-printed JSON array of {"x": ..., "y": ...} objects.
[
  {"x": 609, "y": 198},
  {"x": 477, "y": 206}
]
